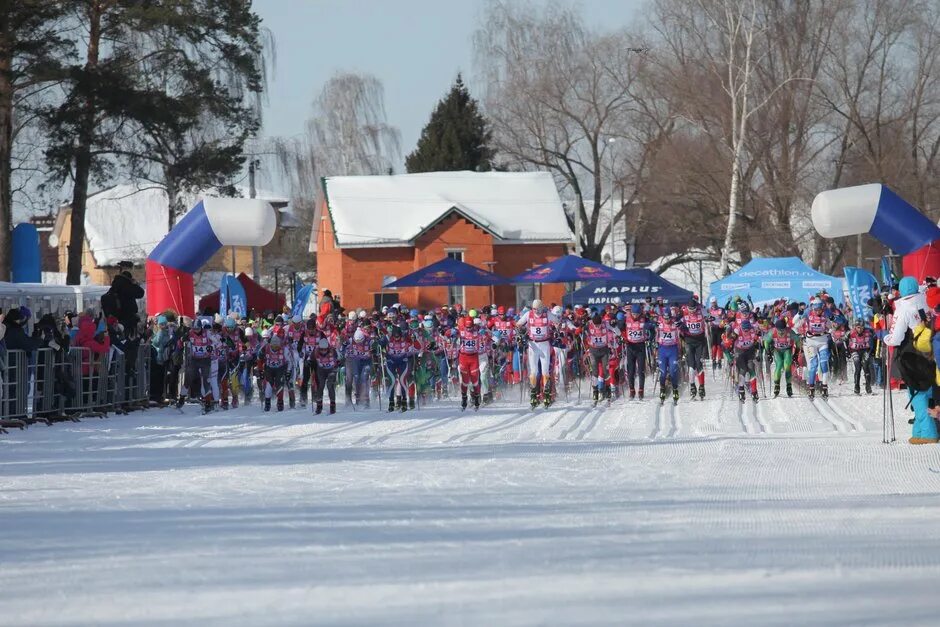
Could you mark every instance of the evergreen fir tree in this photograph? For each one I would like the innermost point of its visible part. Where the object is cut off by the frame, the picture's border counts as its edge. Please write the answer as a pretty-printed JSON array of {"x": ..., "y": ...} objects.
[{"x": 457, "y": 137}]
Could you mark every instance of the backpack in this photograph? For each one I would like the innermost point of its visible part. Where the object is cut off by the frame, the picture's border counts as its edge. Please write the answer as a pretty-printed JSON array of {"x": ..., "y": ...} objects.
[
  {"x": 110, "y": 304},
  {"x": 917, "y": 371}
]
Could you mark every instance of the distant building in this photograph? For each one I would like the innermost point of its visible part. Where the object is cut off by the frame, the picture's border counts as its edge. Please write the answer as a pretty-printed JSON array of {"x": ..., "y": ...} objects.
[
  {"x": 48, "y": 255},
  {"x": 125, "y": 222},
  {"x": 375, "y": 229}
]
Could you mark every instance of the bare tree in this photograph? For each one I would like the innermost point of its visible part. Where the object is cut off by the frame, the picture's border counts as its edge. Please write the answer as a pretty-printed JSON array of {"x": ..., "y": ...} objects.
[{"x": 560, "y": 97}]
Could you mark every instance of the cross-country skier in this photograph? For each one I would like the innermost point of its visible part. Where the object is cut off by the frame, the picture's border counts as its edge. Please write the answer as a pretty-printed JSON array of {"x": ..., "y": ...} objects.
[
  {"x": 540, "y": 324},
  {"x": 860, "y": 343},
  {"x": 694, "y": 328},
  {"x": 781, "y": 342},
  {"x": 669, "y": 341},
  {"x": 398, "y": 351},
  {"x": 198, "y": 364},
  {"x": 746, "y": 342},
  {"x": 274, "y": 359},
  {"x": 813, "y": 326},
  {"x": 470, "y": 344},
  {"x": 327, "y": 360},
  {"x": 636, "y": 332},
  {"x": 600, "y": 338}
]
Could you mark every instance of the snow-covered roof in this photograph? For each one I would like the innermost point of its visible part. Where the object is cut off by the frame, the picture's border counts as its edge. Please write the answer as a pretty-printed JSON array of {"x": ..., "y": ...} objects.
[
  {"x": 369, "y": 211},
  {"x": 127, "y": 221}
]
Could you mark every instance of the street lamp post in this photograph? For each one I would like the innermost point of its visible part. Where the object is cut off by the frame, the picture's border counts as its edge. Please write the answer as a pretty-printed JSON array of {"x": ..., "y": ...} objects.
[{"x": 610, "y": 237}]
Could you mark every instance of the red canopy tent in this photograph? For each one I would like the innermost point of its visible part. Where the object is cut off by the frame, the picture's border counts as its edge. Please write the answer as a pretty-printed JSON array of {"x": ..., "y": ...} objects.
[{"x": 259, "y": 298}]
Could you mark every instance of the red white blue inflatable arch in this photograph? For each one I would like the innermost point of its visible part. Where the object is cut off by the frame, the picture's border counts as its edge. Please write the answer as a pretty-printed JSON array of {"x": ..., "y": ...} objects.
[
  {"x": 876, "y": 210},
  {"x": 211, "y": 225}
]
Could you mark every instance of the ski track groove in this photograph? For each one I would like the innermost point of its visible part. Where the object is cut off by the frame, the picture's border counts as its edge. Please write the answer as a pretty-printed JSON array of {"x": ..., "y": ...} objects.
[
  {"x": 841, "y": 425},
  {"x": 515, "y": 419},
  {"x": 576, "y": 424},
  {"x": 856, "y": 424},
  {"x": 591, "y": 425},
  {"x": 432, "y": 423},
  {"x": 761, "y": 421}
]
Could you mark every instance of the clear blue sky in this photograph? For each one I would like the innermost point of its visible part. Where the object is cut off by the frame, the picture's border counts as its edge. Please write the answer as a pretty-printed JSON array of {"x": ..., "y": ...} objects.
[{"x": 416, "y": 47}]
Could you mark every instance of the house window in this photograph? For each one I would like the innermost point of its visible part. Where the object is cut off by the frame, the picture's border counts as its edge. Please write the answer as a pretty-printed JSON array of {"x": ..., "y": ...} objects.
[{"x": 456, "y": 293}]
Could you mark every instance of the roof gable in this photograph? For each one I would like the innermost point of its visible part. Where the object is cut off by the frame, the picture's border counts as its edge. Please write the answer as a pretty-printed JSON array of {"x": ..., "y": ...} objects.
[{"x": 369, "y": 211}]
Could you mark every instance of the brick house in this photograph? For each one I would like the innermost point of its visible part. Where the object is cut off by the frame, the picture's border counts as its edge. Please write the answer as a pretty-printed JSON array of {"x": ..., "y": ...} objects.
[
  {"x": 125, "y": 222},
  {"x": 375, "y": 229}
]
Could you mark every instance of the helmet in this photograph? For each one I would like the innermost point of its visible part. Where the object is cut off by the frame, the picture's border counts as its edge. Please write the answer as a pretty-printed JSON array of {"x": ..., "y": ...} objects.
[
  {"x": 745, "y": 325},
  {"x": 472, "y": 313},
  {"x": 351, "y": 316},
  {"x": 636, "y": 309},
  {"x": 501, "y": 310},
  {"x": 323, "y": 344},
  {"x": 557, "y": 310},
  {"x": 536, "y": 304}
]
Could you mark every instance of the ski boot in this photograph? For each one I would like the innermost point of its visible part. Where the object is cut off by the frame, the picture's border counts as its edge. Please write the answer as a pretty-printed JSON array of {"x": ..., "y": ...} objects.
[
  {"x": 223, "y": 405},
  {"x": 206, "y": 405},
  {"x": 402, "y": 404},
  {"x": 267, "y": 404},
  {"x": 534, "y": 398},
  {"x": 318, "y": 409},
  {"x": 662, "y": 397},
  {"x": 632, "y": 394},
  {"x": 476, "y": 402},
  {"x": 487, "y": 398},
  {"x": 754, "y": 396},
  {"x": 812, "y": 392},
  {"x": 608, "y": 396},
  {"x": 776, "y": 389},
  {"x": 291, "y": 399},
  {"x": 332, "y": 407},
  {"x": 789, "y": 390},
  {"x": 391, "y": 405},
  {"x": 639, "y": 394},
  {"x": 694, "y": 391},
  {"x": 411, "y": 402},
  {"x": 349, "y": 399},
  {"x": 825, "y": 392},
  {"x": 858, "y": 391},
  {"x": 547, "y": 400},
  {"x": 742, "y": 396},
  {"x": 234, "y": 402},
  {"x": 463, "y": 402},
  {"x": 868, "y": 388},
  {"x": 595, "y": 396},
  {"x": 280, "y": 404},
  {"x": 675, "y": 397},
  {"x": 180, "y": 402}
]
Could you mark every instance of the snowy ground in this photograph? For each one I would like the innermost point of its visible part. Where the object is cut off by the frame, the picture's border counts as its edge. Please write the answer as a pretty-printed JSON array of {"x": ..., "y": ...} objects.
[{"x": 792, "y": 513}]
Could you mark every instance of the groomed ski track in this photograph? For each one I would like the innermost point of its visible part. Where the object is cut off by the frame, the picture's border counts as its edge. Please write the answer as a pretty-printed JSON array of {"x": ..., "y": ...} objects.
[{"x": 710, "y": 512}]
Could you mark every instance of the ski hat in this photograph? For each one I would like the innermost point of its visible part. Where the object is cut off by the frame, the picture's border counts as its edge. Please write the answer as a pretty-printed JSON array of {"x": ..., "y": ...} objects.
[
  {"x": 161, "y": 320},
  {"x": 557, "y": 310},
  {"x": 362, "y": 314},
  {"x": 323, "y": 344},
  {"x": 297, "y": 319},
  {"x": 276, "y": 340},
  {"x": 781, "y": 324},
  {"x": 908, "y": 286},
  {"x": 636, "y": 309},
  {"x": 351, "y": 316},
  {"x": 745, "y": 325},
  {"x": 249, "y": 332}
]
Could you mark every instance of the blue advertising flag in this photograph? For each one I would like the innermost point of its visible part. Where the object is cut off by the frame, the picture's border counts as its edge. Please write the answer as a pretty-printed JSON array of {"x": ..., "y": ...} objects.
[
  {"x": 862, "y": 286},
  {"x": 232, "y": 296},
  {"x": 887, "y": 275},
  {"x": 300, "y": 302}
]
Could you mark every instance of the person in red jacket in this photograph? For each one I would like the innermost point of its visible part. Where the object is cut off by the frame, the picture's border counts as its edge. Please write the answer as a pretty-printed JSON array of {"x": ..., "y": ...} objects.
[{"x": 90, "y": 336}]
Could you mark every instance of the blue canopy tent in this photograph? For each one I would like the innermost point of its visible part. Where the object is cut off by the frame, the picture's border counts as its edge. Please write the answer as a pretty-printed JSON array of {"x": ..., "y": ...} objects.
[
  {"x": 447, "y": 272},
  {"x": 768, "y": 279},
  {"x": 568, "y": 269},
  {"x": 637, "y": 285}
]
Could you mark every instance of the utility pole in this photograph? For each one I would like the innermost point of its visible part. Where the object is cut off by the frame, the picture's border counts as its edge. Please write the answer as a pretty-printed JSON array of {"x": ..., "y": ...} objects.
[
  {"x": 577, "y": 223},
  {"x": 858, "y": 251},
  {"x": 610, "y": 237},
  {"x": 252, "y": 192}
]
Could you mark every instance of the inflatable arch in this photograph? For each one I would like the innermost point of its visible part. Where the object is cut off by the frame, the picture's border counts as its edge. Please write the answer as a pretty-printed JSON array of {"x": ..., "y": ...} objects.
[
  {"x": 212, "y": 224},
  {"x": 876, "y": 210}
]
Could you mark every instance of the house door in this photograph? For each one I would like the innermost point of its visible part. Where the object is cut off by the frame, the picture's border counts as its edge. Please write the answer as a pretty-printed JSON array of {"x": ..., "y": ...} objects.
[
  {"x": 384, "y": 300},
  {"x": 457, "y": 293}
]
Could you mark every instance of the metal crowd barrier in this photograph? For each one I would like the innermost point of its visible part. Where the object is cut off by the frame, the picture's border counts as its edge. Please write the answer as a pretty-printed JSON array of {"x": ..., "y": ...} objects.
[{"x": 47, "y": 386}]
